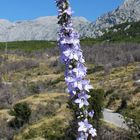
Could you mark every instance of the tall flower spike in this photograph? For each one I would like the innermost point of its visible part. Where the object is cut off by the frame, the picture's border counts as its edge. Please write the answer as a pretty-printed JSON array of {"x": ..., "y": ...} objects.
[{"x": 72, "y": 57}]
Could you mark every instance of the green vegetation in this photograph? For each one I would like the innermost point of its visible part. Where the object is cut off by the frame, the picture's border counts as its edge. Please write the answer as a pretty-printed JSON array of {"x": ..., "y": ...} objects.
[
  {"x": 118, "y": 33},
  {"x": 28, "y": 46},
  {"x": 90, "y": 41},
  {"x": 22, "y": 113},
  {"x": 97, "y": 102},
  {"x": 126, "y": 32},
  {"x": 95, "y": 69},
  {"x": 51, "y": 117}
]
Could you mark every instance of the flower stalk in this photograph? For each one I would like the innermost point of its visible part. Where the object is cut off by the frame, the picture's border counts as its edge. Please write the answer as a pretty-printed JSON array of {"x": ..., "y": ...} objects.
[{"x": 72, "y": 56}]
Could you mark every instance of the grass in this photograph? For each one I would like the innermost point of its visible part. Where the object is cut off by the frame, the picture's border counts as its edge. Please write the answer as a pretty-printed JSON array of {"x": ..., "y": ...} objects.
[
  {"x": 42, "y": 98},
  {"x": 28, "y": 46},
  {"x": 47, "y": 127}
]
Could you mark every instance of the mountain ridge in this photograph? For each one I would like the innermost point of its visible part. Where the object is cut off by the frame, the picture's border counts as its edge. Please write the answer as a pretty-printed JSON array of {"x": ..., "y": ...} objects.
[
  {"x": 45, "y": 28},
  {"x": 129, "y": 11},
  {"x": 42, "y": 28}
]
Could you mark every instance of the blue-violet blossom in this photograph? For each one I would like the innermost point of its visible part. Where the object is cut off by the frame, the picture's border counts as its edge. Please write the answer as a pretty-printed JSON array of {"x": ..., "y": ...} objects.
[{"x": 72, "y": 56}]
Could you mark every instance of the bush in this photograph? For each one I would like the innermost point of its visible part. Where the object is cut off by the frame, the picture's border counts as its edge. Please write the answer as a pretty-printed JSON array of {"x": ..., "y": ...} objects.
[
  {"x": 96, "y": 103},
  {"x": 123, "y": 105},
  {"x": 95, "y": 69},
  {"x": 137, "y": 90},
  {"x": 111, "y": 55},
  {"x": 109, "y": 92},
  {"x": 22, "y": 113},
  {"x": 34, "y": 88}
]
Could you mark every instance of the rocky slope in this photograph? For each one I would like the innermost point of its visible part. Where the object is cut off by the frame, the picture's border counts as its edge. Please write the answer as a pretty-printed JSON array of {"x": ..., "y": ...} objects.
[
  {"x": 45, "y": 28},
  {"x": 129, "y": 11}
]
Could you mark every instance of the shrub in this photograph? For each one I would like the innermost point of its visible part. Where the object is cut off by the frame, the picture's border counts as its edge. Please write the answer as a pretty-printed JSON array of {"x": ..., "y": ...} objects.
[
  {"x": 95, "y": 69},
  {"x": 123, "y": 105},
  {"x": 22, "y": 113},
  {"x": 34, "y": 88},
  {"x": 112, "y": 55},
  {"x": 109, "y": 92},
  {"x": 96, "y": 103},
  {"x": 137, "y": 90}
]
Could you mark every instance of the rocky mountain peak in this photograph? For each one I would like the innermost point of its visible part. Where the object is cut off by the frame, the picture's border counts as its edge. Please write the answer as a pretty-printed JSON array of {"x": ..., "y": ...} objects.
[
  {"x": 45, "y": 28},
  {"x": 129, "y": 2},
  {"x": 129, "y": 11}
]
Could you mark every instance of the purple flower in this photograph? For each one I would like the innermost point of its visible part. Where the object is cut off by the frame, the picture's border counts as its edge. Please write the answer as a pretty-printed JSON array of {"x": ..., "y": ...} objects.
[
  {"x": 92, "y": 131},
  {"x": 75, "y": 73},
  {"x": 82, "y": 136},
  {"x": 78, "y": 84},
  {"x": 86, "y": 85},
  {"x": 82, "y": 85},
  {"x": 70, "y": 54},
  {"x": 68, "y": 11},
  {"x": 71, "y": 92},
  {"x": 69, "y": 40},
  {"x": 82, "y": 100},
  {"x": 80, "y": 70},
  {"x": 84, "y": 126},
  {"x": 91, "y": 113}
]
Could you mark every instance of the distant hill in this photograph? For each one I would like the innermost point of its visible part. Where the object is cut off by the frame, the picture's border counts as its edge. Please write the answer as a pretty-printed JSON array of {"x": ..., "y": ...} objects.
[
  {"x": 45, "y": 28},
  {"x": 129, "y": 32}
]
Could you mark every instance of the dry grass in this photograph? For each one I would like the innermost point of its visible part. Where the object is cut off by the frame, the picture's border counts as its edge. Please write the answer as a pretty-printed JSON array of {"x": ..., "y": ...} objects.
[
  {"x": 58, "y": 122},
  {"x": 41, "y": 98},
  {"x": 119, "y": 79}
]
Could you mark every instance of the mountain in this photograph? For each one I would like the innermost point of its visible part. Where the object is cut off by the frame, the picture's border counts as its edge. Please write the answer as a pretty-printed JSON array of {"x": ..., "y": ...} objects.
[
  {"x": 125, "y": 32},
  {"x": 129, "y": 11},
  {"x": 45, "y": 28}
]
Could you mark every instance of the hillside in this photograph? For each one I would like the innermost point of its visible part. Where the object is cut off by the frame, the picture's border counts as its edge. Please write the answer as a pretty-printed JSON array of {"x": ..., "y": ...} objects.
[
  {"x": 34, "y": 103},
  {"x": 33, "y": 75},
  {"x": 125, "y": 32}
]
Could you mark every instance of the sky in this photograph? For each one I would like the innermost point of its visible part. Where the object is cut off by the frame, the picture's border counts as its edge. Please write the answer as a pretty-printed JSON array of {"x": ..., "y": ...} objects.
[{"x": 16, "y": 10}]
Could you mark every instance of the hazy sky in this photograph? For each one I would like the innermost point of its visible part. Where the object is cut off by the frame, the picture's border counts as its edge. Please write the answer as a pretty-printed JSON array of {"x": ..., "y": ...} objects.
[{"x": 15, "y": 10}]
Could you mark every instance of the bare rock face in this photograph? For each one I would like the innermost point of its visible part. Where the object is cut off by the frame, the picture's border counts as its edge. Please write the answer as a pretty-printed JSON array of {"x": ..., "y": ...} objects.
[
  {"x": 129, "y": 11},
  {"x": 45, "y": 28}
]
